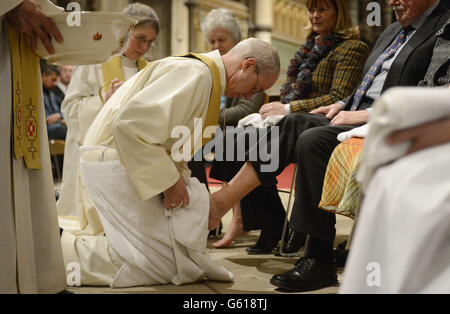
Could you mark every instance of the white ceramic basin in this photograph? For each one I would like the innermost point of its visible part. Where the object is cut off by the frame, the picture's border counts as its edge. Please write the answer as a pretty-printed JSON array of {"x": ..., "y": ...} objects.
[{"x": 99, "y": 35}]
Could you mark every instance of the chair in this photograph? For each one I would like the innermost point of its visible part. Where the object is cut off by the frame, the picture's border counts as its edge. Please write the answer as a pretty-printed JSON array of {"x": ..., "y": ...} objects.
[
  {"x": 288, "y": 212},
  {"x": 56, "y": 149}
]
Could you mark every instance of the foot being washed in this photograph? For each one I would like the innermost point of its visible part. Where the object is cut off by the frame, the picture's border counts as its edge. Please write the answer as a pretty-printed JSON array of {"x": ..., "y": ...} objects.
[
  {"x": 235, "y": 229},
  {"x": 219, "y": 204}
]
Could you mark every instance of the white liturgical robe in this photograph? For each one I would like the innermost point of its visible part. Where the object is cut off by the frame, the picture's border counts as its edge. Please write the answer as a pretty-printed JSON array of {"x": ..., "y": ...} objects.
[
  {"x": 30, "y": 250},
  {"x": 132, "y": 147},
  {"x": 81, "y": 105}
]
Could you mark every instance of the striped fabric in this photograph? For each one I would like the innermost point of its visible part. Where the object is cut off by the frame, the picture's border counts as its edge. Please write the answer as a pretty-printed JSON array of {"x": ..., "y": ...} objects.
[
  {"x": 341, "y": 191},
  {"x": 336, "y": 76}
]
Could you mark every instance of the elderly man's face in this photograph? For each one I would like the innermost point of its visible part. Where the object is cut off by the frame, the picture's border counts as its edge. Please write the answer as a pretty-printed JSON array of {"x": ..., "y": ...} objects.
[
  {"x": 407, "y": 11},
  {"x": 247, "y": 81}
]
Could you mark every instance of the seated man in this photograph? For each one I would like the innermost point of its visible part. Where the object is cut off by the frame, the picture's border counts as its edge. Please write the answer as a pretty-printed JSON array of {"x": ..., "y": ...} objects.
[
  {"x": 56, "y": 126},
  {"x": 134, "y": 168},
  {"x": 400, "y": 58},
  {"x": 401, "y": 239},
  {"x": 341, "y": 191}
]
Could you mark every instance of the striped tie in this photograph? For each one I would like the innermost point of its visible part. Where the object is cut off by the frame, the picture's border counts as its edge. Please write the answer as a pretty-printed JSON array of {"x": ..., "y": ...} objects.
[{"x": 376, "y": 67}]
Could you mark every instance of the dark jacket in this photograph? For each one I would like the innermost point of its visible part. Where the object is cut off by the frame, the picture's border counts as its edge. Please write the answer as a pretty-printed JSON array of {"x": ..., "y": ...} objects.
[
  {"x": 412, "y": 63},
  {"x": 438, "y": 73}
]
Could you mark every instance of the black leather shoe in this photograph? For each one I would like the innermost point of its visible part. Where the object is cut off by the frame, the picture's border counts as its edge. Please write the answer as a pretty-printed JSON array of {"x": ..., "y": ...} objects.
[
  {"x": 295, "y": 241},
  {"x": 255, "y": 250},
  {"x": 264, "y": 245},
  {"x": 340, "y": 254},
  {"x": 309, "y": 274}
]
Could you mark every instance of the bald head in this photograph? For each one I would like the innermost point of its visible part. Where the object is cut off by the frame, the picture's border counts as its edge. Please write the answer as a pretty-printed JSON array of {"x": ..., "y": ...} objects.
[
  {"x": 252, "y": 66},
  {"x": 267, "y": 58}
]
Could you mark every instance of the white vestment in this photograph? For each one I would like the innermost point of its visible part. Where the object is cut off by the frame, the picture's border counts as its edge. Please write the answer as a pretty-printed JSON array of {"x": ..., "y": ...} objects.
[
  {"x": 30, "y": 250},
  {"x": 149, "y": 245},
  {"x": 81, "y": 105},
  {"x": 401, "y": 242}
]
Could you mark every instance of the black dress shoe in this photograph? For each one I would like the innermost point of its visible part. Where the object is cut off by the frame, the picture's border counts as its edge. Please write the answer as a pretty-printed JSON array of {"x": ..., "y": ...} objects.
[
  {"x": 309, "y": 274},
  {"x": 257, "y": 250},
  {"x": 295, "y": 241},
  {"x": 264, "y": 245},
  {"x": 340, "y": 254}
]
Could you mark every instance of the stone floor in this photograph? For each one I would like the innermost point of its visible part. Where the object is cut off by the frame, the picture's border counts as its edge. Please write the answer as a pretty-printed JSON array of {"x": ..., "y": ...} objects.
[{"x": 252, "y": 272}]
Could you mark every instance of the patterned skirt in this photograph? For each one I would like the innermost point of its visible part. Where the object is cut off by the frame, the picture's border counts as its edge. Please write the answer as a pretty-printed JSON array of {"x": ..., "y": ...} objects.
[{"x": 341, "y": 191}]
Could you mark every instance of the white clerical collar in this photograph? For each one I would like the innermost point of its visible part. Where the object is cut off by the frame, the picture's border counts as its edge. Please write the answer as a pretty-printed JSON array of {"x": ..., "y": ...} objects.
[{"x": 127, "y": 62}]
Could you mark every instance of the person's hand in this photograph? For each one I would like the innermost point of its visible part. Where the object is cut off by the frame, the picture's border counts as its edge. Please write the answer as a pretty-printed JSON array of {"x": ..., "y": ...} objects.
[
  {"x": 350, "y": 118},
  {"x": 28, "y": 19},
  {"x": 115, "y": 85},
  {"x": 328, "y": 111},
  {"x": 422, "y": 136},
  {"x": 53, "y": 118},
  {"x": 177, "y": 195},
  {"x": 272, "y": 109}
]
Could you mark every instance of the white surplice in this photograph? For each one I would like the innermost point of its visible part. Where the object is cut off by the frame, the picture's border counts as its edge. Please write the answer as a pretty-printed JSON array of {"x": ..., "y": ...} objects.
[
  {"x": 81, "y": 105},
  {"x": 30, "y": 250},
  {"x": 136, "y": 126},
  {"x": 401, "y": 243}
]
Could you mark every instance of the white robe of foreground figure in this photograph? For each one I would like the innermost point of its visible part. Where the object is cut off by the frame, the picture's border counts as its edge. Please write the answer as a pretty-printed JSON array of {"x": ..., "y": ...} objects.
[
  {"x": 30, "y": 249},
  {"x": 126, "y": 164},
  {"x": 402, "y": 238}
]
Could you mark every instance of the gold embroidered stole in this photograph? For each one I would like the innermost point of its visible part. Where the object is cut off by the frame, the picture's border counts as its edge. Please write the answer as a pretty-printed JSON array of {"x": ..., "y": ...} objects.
[
  {"x": 212, "y": 114},
  {"x": 113, "y": 69},
  {"x": 26, "y": 100}
]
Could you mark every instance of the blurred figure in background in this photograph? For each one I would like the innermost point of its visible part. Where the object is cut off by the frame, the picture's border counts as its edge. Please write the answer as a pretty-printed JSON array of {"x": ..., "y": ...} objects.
[
  {"x": 56, "y": 126},
  {"x": 65, "y": 75}
]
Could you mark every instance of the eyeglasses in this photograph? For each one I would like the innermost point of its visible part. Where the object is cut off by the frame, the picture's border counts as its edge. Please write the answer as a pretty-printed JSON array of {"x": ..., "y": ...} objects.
[
  {"x": 143, "y": 40},
  {"x": 257, "y": 89}
]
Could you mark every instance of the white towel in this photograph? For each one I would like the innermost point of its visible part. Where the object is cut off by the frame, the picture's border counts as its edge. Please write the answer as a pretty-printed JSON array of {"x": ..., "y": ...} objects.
[
  {"x": 157, "y": 245},
  {"x": 399, "y": 108},
  {"x": 360, "y": 131},
  {"x": 256, "y": 120}
]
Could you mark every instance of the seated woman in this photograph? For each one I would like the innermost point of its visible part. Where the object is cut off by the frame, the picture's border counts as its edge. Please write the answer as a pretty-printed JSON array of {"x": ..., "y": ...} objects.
[
  {"x": 222, "y": 31},
  {"x": 91, "y": 86},
  {"x": 326, "y": 69}
]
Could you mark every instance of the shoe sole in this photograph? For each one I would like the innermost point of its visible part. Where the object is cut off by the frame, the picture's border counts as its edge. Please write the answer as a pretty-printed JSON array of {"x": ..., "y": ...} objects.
[
  {"x": 306, "y": 288},
  {"x": 295, "y": 254}
]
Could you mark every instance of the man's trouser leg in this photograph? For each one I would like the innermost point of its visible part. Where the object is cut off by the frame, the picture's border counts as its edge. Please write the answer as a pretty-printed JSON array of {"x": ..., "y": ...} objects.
[{"x": 313, "y": 150}]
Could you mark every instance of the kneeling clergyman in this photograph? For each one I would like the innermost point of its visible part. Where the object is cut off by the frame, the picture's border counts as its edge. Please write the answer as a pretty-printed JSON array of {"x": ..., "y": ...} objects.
[{"x": 154, "y": 216}]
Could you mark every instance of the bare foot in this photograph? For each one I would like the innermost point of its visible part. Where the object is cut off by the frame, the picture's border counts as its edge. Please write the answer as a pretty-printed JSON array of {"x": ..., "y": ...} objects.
[
  {"x": 234, "y": 231},
  {"x": 219, "y": 205}
]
